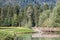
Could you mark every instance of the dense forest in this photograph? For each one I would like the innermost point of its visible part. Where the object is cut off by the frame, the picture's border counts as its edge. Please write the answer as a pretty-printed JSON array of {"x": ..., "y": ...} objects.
[{"x": 30, "y": 16}]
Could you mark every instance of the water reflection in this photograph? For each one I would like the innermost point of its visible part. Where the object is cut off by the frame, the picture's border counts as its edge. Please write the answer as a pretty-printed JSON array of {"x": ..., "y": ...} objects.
[
  {"x": 46, "y": 39},
  {"x": 23, "y": 37},
  {"x": 29, "y": 37}
]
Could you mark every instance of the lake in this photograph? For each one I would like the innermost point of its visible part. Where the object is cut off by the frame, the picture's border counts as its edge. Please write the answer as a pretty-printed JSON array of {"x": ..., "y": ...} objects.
[{"x": 38, "y": 37}]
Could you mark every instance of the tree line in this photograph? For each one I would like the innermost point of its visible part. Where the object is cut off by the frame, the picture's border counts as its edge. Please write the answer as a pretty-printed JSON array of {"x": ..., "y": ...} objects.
[{"x": 30, "y": 16}]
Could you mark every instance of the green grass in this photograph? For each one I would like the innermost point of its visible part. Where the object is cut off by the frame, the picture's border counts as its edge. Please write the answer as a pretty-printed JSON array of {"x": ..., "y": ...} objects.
[
  {"x": 16, "y": 29},
  {"x": 10, "y": 32}
]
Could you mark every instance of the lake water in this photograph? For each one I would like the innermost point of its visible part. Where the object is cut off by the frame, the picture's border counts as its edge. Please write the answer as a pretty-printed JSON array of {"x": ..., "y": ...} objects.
[{"x": 29, "y": 37}]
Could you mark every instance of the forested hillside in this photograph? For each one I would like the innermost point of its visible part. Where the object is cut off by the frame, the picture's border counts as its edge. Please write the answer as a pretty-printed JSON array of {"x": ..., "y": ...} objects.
[{"x": 30, "y": 16}]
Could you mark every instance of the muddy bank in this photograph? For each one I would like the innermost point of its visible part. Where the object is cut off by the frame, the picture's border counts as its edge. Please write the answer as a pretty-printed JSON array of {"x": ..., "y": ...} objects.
[
  {"x": 46, "y": 29},
  {"x": 46, "y": 32}
]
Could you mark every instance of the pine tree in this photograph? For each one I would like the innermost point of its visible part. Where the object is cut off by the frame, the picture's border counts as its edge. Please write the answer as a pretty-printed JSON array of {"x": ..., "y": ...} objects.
[
  {"x": 56, "y": 12},
  {"x": 29, "y": 16},
  {"x": 37, "y": 11},
  {"x": 43, "y": 18}
]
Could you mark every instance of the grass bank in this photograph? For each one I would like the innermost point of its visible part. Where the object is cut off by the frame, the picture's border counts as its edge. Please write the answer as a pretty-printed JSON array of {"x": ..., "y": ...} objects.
[{"x": 9, "y": 32}]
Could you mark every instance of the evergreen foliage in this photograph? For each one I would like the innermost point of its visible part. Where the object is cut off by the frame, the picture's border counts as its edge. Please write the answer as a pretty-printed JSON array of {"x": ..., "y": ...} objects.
[{"x": 30, "y": 16}]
